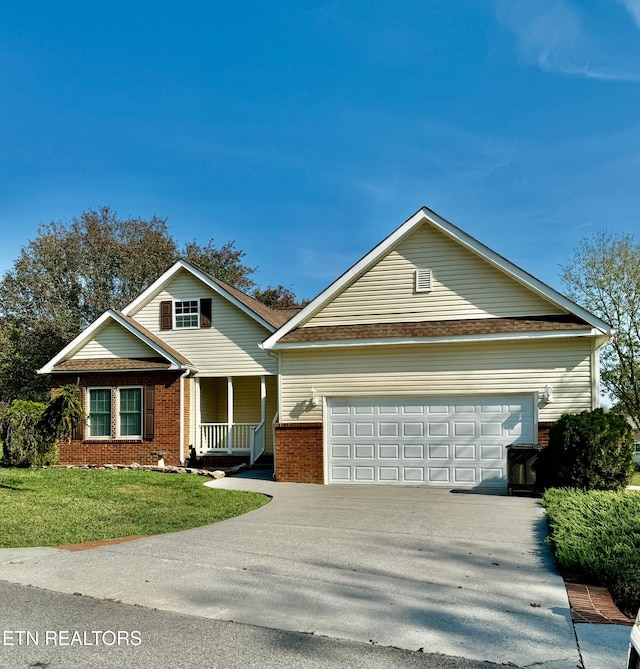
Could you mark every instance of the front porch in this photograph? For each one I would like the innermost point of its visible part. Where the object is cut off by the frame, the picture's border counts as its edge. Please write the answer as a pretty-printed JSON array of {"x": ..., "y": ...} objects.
[{"x": 233, "y": 416}]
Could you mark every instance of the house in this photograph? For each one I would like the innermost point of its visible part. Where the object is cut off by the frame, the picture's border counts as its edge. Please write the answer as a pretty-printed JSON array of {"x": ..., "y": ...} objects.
[{"x": 419, "y": 365}]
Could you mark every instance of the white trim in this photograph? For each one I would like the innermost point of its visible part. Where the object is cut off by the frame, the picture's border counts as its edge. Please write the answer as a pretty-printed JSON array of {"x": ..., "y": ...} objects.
[
  {"x": 86, "y": 335},
  {"x": 118, "y": 389},
  {"x": 325, "y": 439},
  {"x": 263, "y": 398},
  {"x": 161, "y": 282},
  {"x": 198, "y": 413},
  {"x": 425, "y": 215},
  {"x": 183, "y": 377},
  {"x": 98, "y": 437},
  {"x": 461, "y": 339},
  {"x": 230, "y": 413},
  {"x": 174, "y": 315}
]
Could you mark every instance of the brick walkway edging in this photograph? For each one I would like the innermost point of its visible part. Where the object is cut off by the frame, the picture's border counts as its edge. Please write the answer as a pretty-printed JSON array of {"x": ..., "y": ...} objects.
[{"x": 593, "y": 604}]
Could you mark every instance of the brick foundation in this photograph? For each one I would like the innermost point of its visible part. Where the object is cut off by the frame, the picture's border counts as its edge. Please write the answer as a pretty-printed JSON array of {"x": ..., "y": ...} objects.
[
  {"x": 299, "y": 452},
  {"x": 166, "y": 433},
  {"x": 543, "y": 432}
]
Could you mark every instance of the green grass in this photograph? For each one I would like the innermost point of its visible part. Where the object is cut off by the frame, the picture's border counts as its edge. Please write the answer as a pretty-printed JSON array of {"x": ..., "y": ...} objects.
[
  {"x": 50, "y": 507},
  {"x": 595, "y": 537}
]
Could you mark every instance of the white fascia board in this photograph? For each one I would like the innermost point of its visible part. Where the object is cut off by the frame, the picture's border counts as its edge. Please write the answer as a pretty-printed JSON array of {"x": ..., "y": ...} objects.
[
  {"x": 84, "y": 336},
  {"x": 87, "y": 334},
  {"x": 514, "y": 271},
  {"x": 161, "y": 282},
  {"x": 461, "y": 339},
  {"x": 425, "y": 215},
  {"x": 331, "y": 291}
]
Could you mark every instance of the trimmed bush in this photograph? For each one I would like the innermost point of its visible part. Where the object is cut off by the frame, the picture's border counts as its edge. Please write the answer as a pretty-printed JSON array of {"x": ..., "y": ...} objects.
[{"x": 592, "y": 450}]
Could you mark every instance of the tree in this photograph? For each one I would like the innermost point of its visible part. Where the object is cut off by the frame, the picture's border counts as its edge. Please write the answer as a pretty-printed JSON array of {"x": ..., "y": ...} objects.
[
  {"x": 604, "y": 277},
  {"x": 71, "y": 273},
  {"x": 277, "y": 297}
]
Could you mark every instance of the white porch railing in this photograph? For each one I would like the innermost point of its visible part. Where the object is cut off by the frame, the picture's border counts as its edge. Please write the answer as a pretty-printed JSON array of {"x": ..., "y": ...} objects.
[
  {"x": 257, "y": 447},
  {"x": 237, "y": 439}
]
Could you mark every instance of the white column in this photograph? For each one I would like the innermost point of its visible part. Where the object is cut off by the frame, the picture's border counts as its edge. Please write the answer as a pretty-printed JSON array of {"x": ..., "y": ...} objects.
[
  {"x": 263, "y": 399},
  {"x": 230, "y": 413},
  {"x": 198, "y": 412}
]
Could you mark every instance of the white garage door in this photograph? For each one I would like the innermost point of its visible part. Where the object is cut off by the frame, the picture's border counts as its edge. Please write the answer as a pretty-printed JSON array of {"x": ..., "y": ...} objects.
[{"x": 446, "y": 442}]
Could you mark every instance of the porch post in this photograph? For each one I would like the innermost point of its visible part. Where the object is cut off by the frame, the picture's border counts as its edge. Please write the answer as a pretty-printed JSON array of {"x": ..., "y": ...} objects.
[
  {"x": 230, "y": 414},
  {"x": 263, "y": 399},
  {"x": 198, "y": 412}
]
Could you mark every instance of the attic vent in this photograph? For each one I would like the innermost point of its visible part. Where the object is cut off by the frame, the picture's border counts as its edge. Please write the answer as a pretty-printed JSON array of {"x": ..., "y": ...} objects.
[{"x": 423, "y": 280}]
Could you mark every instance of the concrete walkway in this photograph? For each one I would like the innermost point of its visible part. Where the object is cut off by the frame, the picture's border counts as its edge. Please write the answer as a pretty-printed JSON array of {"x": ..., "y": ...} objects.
[{"x": 457, "y": 573}]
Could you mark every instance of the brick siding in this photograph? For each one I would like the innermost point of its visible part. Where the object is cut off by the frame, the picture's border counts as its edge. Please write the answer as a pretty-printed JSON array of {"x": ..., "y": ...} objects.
[
  {"x": 299, "y": 452},
  {"x": 166, "y": 435},
  {"x": 543, "y": 432}
]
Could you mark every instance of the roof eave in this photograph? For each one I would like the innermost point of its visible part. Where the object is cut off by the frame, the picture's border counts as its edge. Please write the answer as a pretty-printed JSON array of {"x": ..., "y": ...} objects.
[
  {"x": 443, "y": 339},
  {"x": 427, "y": 215}
]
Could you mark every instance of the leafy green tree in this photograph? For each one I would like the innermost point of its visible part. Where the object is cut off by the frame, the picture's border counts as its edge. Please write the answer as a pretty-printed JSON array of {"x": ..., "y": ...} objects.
[
  {"x": 277, "y": 297},
  {"x": 71, "y": 273},
  {"x": 604, "y": 277},
  {"x": 224, "y": 263}
]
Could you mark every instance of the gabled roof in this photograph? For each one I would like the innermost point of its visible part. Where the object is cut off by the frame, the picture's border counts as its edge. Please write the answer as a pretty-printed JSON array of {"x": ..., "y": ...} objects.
[
  {"x": 161, "y": 349},
  {"x": 268, "y": 318},
  {"x": 429, "y": 217}
]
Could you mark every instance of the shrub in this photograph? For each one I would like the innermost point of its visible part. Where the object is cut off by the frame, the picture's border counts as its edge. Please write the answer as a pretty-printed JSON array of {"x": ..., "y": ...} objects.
[
  {"x": 595, "y": 537},
  {"x": 23, "y": 444},
  {"x": 62, "y": 414},
  {"x": 592, "y": 450}
]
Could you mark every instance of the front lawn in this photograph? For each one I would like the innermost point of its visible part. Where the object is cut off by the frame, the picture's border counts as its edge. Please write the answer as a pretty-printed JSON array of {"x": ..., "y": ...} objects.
[
  {"x": 50, "y": 507},
  {"x": 595, "y": 537}
]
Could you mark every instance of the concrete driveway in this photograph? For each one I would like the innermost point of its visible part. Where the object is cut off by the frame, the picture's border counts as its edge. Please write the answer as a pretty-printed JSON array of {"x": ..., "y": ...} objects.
[{"x": 458, "y": 573}]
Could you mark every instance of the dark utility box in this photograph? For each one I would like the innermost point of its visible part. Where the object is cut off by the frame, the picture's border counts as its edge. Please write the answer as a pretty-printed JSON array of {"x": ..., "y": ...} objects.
[{"x": 521, "y": 467}]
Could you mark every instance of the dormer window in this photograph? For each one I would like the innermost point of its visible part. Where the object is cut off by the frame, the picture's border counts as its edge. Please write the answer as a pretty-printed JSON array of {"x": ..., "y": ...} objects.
[{"x": 185, "y": 314}]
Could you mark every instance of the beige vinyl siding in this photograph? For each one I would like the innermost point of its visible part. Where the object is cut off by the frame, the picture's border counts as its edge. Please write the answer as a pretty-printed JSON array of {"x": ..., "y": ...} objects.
[
  {"x": 246, "y": 402},
  {"x": 439, "y": 370},
  {"x": 229, "y": 347},
  {"x": 463, "y": 286},
  {"x": 113, "y": 341}
]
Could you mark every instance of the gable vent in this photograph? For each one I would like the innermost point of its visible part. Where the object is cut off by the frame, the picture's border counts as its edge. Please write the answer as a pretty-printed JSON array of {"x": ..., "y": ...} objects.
[{"x": 423, "y": 280}]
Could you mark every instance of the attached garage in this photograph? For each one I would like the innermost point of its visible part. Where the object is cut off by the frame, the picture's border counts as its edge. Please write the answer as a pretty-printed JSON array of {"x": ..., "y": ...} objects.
[{"x": 446, "y": 442}]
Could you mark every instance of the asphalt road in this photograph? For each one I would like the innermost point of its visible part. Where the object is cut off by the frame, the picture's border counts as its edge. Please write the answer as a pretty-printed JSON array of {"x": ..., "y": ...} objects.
[{"x": 61, "y": 628}]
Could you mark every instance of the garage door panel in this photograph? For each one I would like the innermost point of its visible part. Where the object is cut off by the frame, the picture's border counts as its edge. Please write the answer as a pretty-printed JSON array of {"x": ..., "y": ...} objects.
[
  {"x": 340, "y": 451},
  {"x": 389, "y": 451},
  {"x": 444, "y": 441},
  {"x": 439, "y": 475},
  {"x": 413, "y": 451},
  {"x": 389, "y": 474}
]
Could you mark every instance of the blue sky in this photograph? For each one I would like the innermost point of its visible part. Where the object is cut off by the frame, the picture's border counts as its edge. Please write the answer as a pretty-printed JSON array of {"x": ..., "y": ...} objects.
[{"x": 308, "y": 131}]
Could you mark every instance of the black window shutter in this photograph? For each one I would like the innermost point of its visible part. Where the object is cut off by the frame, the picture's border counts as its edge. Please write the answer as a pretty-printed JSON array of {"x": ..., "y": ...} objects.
[
  {"x": 166, "y": 315},
  {"x": 149, "y": 411},
  {"x": 205, "y": 312}
]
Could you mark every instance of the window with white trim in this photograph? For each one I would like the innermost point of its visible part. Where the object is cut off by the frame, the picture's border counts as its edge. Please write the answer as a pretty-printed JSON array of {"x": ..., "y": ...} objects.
[
  {"x": 99, "y": 412},
  {"x": 130, "y": 412},
  {"x": 187, "y": 314},
  {"x": 126, "y": 403}
]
